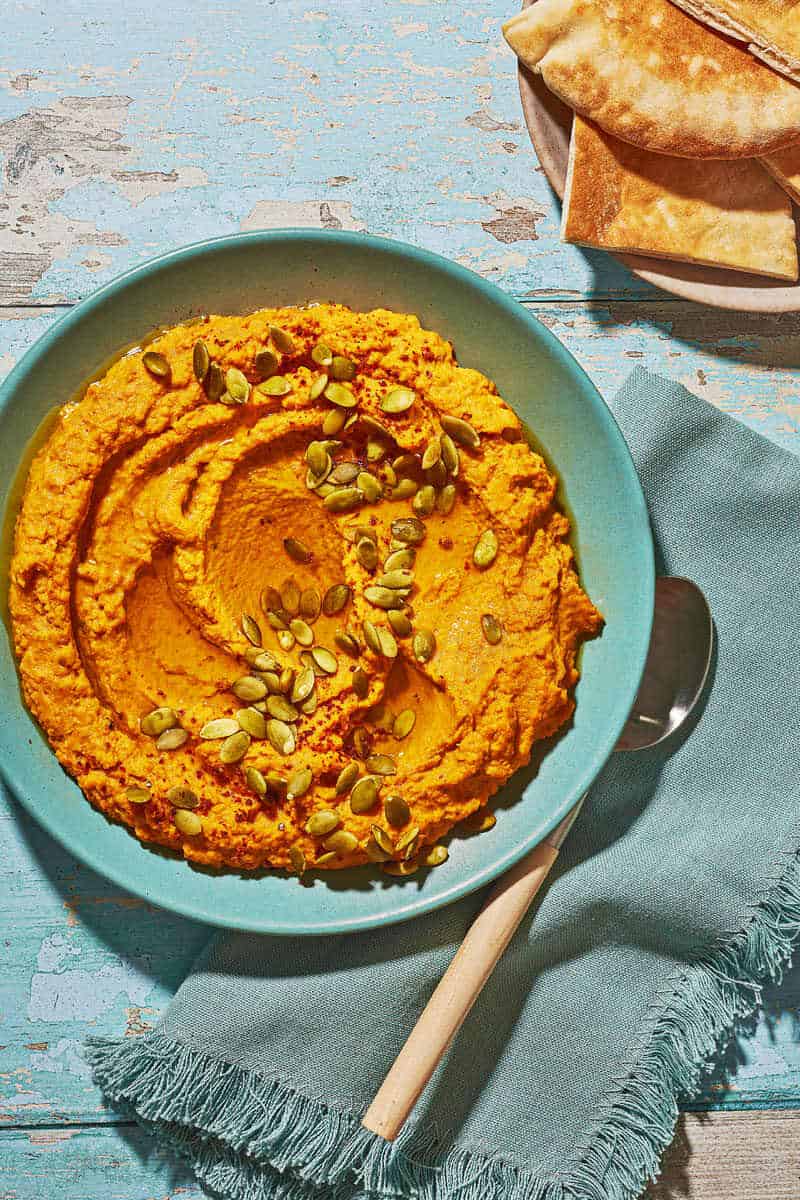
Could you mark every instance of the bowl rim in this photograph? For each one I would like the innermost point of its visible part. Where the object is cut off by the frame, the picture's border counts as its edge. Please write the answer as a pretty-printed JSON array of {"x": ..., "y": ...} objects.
[{"x": 485, "y": 874}]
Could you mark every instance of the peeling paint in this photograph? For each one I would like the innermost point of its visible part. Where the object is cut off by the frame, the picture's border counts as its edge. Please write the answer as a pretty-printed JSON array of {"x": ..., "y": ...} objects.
[{"x": 322, "y": 214}]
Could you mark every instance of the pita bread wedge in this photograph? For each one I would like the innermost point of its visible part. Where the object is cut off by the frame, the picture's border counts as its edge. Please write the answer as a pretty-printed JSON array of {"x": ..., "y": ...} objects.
[
  {"x": 771, "y": 28},
  {"x": 721, "y": 214},
  {"x": 650, "y": 74},
  {"x": 785, "y": 168}
]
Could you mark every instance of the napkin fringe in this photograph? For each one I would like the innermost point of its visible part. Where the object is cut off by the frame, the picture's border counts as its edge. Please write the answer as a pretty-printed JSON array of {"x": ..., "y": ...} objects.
[{"x": 249, "y": 1137}]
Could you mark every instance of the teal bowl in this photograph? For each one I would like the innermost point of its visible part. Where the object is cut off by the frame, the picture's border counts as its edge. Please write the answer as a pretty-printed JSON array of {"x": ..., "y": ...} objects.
[{"x": 573, "y": 427}]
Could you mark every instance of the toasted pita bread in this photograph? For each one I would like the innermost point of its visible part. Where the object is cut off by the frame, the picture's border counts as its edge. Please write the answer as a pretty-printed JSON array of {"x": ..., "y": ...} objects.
[
  {"x": 785, "y": 168},
  {"x": 771, "y": 28},
  {"x": 650, "y": 74},
  {"x": 721, "y": 214}
]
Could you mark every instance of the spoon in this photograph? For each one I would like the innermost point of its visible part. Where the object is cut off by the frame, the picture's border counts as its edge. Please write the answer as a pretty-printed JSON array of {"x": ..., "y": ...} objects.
[{"x": 674, "y": 677}]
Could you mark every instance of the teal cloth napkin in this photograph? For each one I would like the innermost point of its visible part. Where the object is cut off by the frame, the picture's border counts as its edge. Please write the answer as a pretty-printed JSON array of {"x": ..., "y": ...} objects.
[{"x": 677, "y": 893}]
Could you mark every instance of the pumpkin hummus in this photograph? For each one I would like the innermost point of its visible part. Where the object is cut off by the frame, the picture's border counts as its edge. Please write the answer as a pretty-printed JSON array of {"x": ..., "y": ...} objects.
[{"x": 292, "y": 590}]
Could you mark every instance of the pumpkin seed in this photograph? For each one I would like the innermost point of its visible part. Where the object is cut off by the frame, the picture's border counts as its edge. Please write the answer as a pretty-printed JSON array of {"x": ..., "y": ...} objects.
[
  {"x": 318, "y": 387},
  {"x": 301, "y": 632},
  {"x": 317, "y": 458},
  {"x": 374, "y": 852},
  {"x": 249, "y": 688},
  {"x": 234, "y": 748},
  {"x": 432, "y": 454},
  {"x": 492, "y": 629},
  {"x": 436, "y": 475},
  {"x": 266, "y": 363},
  {"x": 382, "y": 839},
  {"x": 371, "y": 636},
  {"x": 398, "y": 400},
  {"x": 318, "y": 483},
  {"x": 404, "y": 722},
  {"x": 395, "y": 580},
  {"x": 182, "y": 797},
  {"x": 485, "y": 551},
  {"x": 405, "y": 489},
  {"x": 357, "y": 533},
  {"x": 347, "y": 777},
  {"x": 344, "y": 473},
  {"x": 280, "y": 708},
  {"x": 339, "y": 395},
  {"x": 290, "y": 597},
  {"x": 333, "y": 421},
  {"x": 303, "y": 685},
  {"x": 252, "y": 722},
  {"x": 401, "y": 869},
  {"x": 364, "y": 795},
  {"x": 137, "y": 795},
  {"x": 297, "y": 550},
  {"x": 220, "y": 727},
  {"x": 276, "y": 783},
  {"x": 406, "y": 464},
  {"x": 381, "y": 764},
  {"x": 367, "y": 554},
  {"x": 461, "y": 432},
  {"x": 342, "y": 368},
  {"x": 408, "y": 530},
  {"x": 201, "y": 360},
  {"x": 299, "y": 783},
  {"x": 325, "y": 660},
  {"x": 348, "y": 643},
  {"x": 449, "y": 454},
  {"x": 359, "y": 681},
  {"x": 383, "y": 597},
  {"x": 446, "y": 499},
  {"x": 278, "y": 618},
  {"x": 388, "y": 644},
  {"x": 270, "y": 600},
  {"x": 238, "y": 385},
  {"x": 215, "y": 382},
  {"x": 187, "y": 823},
  {"x": 283, "y": 340},
  {"x": 255, "y": 781},
  {"x": 156, "y": 364},
  {"x": 362, "y": 742},
  {"x": 251, "y": 629},
  {"x": 389, "y": 474},
  {"x": 407, "y": 841},
  {"x": 435, "y": 856},
  {"x": 424, "y": 645},
  {"x": 335, "y": 599},
  {"x": 320, "y": 824},
  {"x": 343, "y": 499},
  {"x": 158, "y": 721},
  {"x": 297, "y": 860},
  {"x": 272, "y": 680},
  {"x": 401, "y": 560},
  {"x": 324, "y": 489},
  {"x": 322, "y": 355},
  {"x": 326, "y": 859},
  {"x": 172, "y": 739},
  {"x": 399, "y": 622},
  {"x": 396, "y": 811},
  {"x": 285, "y": 640},
  {"x": 380, "y": 716},
  {"x": 341, "y": 842},
  {"x": 310, "y": 604},
  {"x": 260, "y": 660},
  {"x": 309, "y": 705},
  {"x": 371, "y": 487},
  {"x": 277, "y": 385},
  {"x": 285, "y": 680},
  {"x": 479, "y": 822},
  {"x": 281, "y": 736},
  {"x": 376, "y": 450}
]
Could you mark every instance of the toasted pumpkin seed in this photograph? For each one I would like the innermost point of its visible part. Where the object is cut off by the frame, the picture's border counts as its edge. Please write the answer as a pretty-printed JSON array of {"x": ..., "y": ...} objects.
[
  {"x": 407, "y": 840},
  {"x": 234, "y": 748},
  {"x": 406, "y": 464},
  {"x": 251, "y": 629},
  {"x": 461, "y": 432},
  {"x": 359, "y": 681},
  {"x": 318, "y": 387},
  {"x": 432, "y": 454},
  {"x": 187, "y": 822},
  {"x": 479, "y": 822},
  {"x": 297, "y": 860},
  {"x": 424, "y": 645},
  {"x": 347, "y": 777},
  {"x": 401, "y": 869},
  {"x": 381, "y": 764},
  {"x": 172, "y": 739},
  {"x": 220, "y": 727},
  {"x": 374, "y": 852},
  {"x": 255, "y": 781},
  {"x": 278, "y": 618},
  {"x": 158, "y": 721},
  {"x": 340, "y": 395},
  {"x": 364, "y": 795},
  {"x": 389, "y": 475},
  {"x": 303, "y": 685},
  {"x": 277, "y": 385},
  {"x": 270, "y": 600},
  {"x": 281, "y": 736},
  {"x": 325, "y": 660},
  {"x": 376, "y": 450},
  {"x": 317, "y": 458},
  {"x": 434, "y": 856},
  {"x": 492, "y": 629},
  {"x": 301, "y": 632},
  {"x": 344, "y": 473},
  {"x": 309, "y": 705},
  {"x": 260, "y": 660},
  {"x": 276, "y": 783},
  {"x": 357, "y": 533},
  {"x": 371, "y": 487},
  {"x": 408, "y": 530},
  {"x": 395, "y": 580},
  {"x": 156, "y": 364},
  {"x": 266, "y": 363},
  {"x": 283, "y": 340},
  {"x": 182, "y": 797},
  {"x": 383, "y": 597},
  {"x": 436, "y": 475},
  {"x": 486, "y": 548},
  {"x": 401, "y": 560},
  {"x": 325, "y": 859},
  {"x": 285, "y": 640},
  {"x": 333, "y": 421},
  {"x": 290, "y": 597},
  {"x": 249, "y": 688},
  {"x": 341, "y": 842},
  {"x": 280, "y": 708},
  {"x": 398, "y": 400},
  {"x": 405, "y": 489},
  {"x": 320, "y": 824},
  {"x": 335, "y": 599},
  {"x": 238, "y": 385},
  {"x": 253, "y": 722},
  {"x": 396, "y": 811},
  {"x": 347, "y": 642},
  {"x": 322, "y": 355},
  {"x": 382, "y": 839},
  {"x": 371, "y": 636},
  {"x": 297, "y": 550},
  {"x": 400, "y": 623},
  {"x": 285, "y": 680},
  {"x": 367, "y": 554},
  {"x": 362, "y": 742},
  {"x": 446, "y": 499},
  {"x": 404, "y": 722},
  {"x": 310, "y": 604},
  {"x": 201, "y": 360},
  {"x": 343, "y": 499},
  {"x": 449, "y": 454},
  {"x": 299, "y": 783},
  {"x": 388, "y": 644},
  {"x": 137, "y": 795},
  {"x": 214, "y": 382},
  {"x": 342, "y": 368}
]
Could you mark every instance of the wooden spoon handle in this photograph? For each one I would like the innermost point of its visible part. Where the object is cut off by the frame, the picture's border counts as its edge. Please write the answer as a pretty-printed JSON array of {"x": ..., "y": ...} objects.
[{"x": 457, "y": 991}]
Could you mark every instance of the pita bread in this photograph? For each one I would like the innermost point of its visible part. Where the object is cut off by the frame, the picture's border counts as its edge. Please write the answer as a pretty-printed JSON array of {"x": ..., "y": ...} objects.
[
  {"x": 648, "y": 73},
  {"x": 785, "y": 168},
  {"x": 770, "y": 27},
  {"x": 721, "y": 214}
]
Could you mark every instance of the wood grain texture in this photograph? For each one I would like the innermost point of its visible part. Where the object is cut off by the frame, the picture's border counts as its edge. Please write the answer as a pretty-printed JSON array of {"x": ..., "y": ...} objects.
[{"x": 125, "y": 133}]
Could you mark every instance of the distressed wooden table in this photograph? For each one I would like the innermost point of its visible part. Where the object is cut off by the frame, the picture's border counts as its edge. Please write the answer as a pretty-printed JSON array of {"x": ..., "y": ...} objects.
[{"x": 125, "y": 131}]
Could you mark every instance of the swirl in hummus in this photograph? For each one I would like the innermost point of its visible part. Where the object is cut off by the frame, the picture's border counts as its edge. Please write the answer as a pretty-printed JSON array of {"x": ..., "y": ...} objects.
[{"x": 292, "y": 590}]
